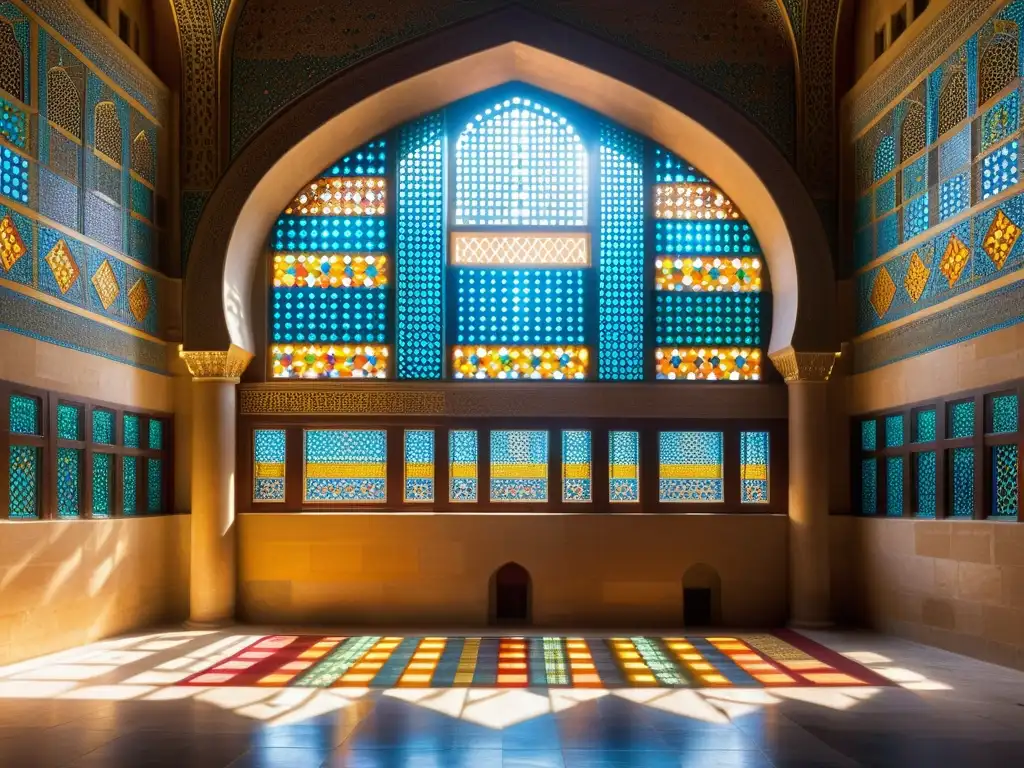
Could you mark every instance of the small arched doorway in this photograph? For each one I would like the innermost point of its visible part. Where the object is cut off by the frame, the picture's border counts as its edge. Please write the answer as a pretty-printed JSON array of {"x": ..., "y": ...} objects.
[
  {"x": 702, "y": 596},
  {"x": 510, "y": 596}
]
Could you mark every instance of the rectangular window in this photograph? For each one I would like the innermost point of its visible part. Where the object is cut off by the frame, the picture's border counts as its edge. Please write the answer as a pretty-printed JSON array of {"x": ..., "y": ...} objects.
[
  {"x": 920, "y": 6},
  {"x": 623, "y": 466},
  {"x": 131, "y": 431},
  {"x": 69, "y": 422},
  {"x": 419, "y": 465},
  {"x": 879, "y": 41},
  {"x": 24, "y": 481},
  {"x": 924, "y": 426},
  {"x": 129, "y": 485},
  {"x": 268, "y": 465},
  {"x": 154, "y": 486},
  {"x": 576, "y": 465},
  {"x": 924, "y": 484},
  {"x": 519, "y": 465},
  {"x": 102, "y": 484},
  {"x": 346, "y": 466},
  {"x": 1004, "y": 415},
  {"x": 962, "y": 481},
  {"x": 462, "y": 465},
  {"x": 99, "y": 7},
  {"x": 24, "y": 415},
  {"x": 899, "y": 23},
  {"x": 868, "y": 487},
  {"x": 156, "y": 434},
  {"x": 754, "y": 467},
  {"x": 894, "y": 486},
  {"x": 960, "y": 422},
  {"x": 102, "y": 426},
  {"x": 894, "y": 431},
  {"x": 124, "y": 27},
  {"x": 868, "y": 435},
  {"x": 1005, "y": 481},
  {"x": 69, "y": 482},
  {"x": 690, "y": 467}
]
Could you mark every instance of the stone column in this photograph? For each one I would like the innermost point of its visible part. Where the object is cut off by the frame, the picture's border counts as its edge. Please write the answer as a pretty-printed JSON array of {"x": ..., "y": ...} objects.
[
  {"x": 212, "y": 582},
  {"x": 806, "y": 375}
]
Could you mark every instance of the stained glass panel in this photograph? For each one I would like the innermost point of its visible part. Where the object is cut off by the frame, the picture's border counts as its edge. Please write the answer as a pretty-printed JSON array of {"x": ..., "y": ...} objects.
[
  {"x": 345, "y": 466},
  {"x": 102, "y": 426},
  {"x": 156, "y": 434},
  {"x": 925, "y": 484},
  {"x": 894, "y": 486},
  {"x": 709, "y": 273},
  {"x": 961, "y": 419},
  {"x": 24, "y": 481},
  {"x": 268, "y": 465},
  {"x": 318, "y": 315},
  {"x": 341, "y": 196},
  {"x": 154, "y": 485},
  {"x": 869, "y": 435},
  {"x": 954, "y": 196},
  {"x": 330, "y": 270},
  {"x": 576, "y": 465},
  {"x": 962, "y": 474},
  {"x": 131, "y": 431},
  {"x": 915, "y": 217},
  {"x": 368, "y": 160},
  {"x": 24, "y": 415},
  {"x": 14, "y": 174},
  {"x": 668, "y": 168},
  {"x": 704, "y": 238},
  {"x": 708, "y": 363},
  {"x": 102, "y": 484},
  {"x": 692, "y": 201},
  {"x": 541, "y": 362},
  {"x": 462, "y": 465},
  {"x": 695, "y": 319},
  {"x": 69, "y": 482},
  {"x": 556, "y": 249},
  {"x": 69, "y": 421},
  {"x": 329, "y": 361},
  {"x": 624, "y": 466},
  {"x": 868, "y": 487},
  {"x": 1004, "y": 414},
  {"x": 1005, "y": 481},
  {"x": 999, "y": 170},
  {"x": 519, "y": 163},
  {"x": 334, "y": 234},
  {"x": 754, "y": 467},
  {"x": 130, "y": 485},
  {"x": 519, "y": 465},
  {"x": 893, "y": 431},
  {"x": 690, "y": 467},
  {"x": 419, "y": 465},
  {"x": 924, "y": 426}
]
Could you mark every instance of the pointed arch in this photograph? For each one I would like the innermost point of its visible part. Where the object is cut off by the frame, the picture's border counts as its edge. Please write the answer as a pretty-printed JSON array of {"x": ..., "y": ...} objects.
[
  {"x": 63, "y": 102},
  {"x": 953, "y": 100},
  {"x": 913, "y": 133},
  {"x": 107, "y": 130},
  {"x": 510, "y": 595},
  {"x": 12, "y": 62},
  {"x": 142, "y": 156},
  {"x": 998, "y": 61}
]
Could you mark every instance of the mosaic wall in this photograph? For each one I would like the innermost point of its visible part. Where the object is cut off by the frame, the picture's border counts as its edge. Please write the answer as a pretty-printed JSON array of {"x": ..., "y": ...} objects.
[
  {"x": 936, "y": 172},
  {"x": 78, "y": 186}
]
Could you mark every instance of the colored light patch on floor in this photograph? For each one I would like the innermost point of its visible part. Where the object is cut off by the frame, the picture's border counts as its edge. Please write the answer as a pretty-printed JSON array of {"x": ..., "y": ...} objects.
[{"x": 778, "y": 659}]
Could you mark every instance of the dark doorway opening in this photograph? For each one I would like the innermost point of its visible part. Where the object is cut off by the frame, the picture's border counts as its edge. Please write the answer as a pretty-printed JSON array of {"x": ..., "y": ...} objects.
[
  {"x": 702, "y": 596},
  {"x": 510, "y": 595},
  {"x": 697, "y": 607}
]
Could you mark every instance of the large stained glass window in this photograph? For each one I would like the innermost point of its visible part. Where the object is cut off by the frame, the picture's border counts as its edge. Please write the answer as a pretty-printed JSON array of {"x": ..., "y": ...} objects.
[
  {"x": 268, "y": 465},
  {"x": 346, "y": 466},
  {"x": 419, "y": 465},
  {"x": 754, "y": 464},
  {"x": 576, "y": 465},
  {"x": 519, "y": 465},
  {"x": 690, "y": 467},
  {"x": 623, "y": 466},
  {"x": 514, "y": 235},
  {"x": 462, "y": 465}
]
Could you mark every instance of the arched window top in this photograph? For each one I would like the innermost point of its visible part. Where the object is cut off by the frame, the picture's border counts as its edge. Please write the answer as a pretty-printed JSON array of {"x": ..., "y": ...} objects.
[
  {"x": 63, "y": 103},
  {"x": 885, "y": 157},
  {"x": 142, "y": 156},
  {"x": 107, "y": 134},
  {"x": 998, "y": 63},
  {"x": 520, "y": 163},
  {"x": 12, "y": 62},
  {"x": 912, "y": 131}
]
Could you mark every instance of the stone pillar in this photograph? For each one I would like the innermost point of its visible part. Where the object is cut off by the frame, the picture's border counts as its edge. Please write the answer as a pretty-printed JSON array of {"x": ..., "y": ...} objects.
[
  {"x": 212, "y": 582},
  {"x": 806, "y": 375}
]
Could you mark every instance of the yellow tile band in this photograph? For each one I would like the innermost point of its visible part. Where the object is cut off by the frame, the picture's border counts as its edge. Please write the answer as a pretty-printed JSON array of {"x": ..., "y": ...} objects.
[
  {"x": 517, "y": 471},
  {"x": 269, "y": 470},
  {"x": 337, "y": 470},
  {"x": 576, "y": 471},
  {"x": 464, "y": 470},
  {"x": 753, "y": 472},
  {"x": 691, "y": 471},
  {"x": 623, "y": 471},
  {"x": 419, "y": 470}
]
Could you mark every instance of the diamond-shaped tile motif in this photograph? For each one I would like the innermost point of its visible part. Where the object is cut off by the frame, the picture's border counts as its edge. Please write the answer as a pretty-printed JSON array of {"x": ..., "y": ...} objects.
[
  {"x": 1000, "y": 239},
  {"x": 105, "y": 282},
  {"x": 138, "y": 300},
  {"x": 12, "y": 247},
  {"x": 954, "y": 260},
  {"x": 882, "y": 292},
  {"x": 917, "y": 277},
  {"x": 63, "y": 266}
]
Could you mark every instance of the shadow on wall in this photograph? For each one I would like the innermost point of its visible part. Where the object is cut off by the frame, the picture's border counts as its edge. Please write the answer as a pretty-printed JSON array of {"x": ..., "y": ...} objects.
[
  {"x": 702, "y": 596},
  {"x": 510, "y": 596}
]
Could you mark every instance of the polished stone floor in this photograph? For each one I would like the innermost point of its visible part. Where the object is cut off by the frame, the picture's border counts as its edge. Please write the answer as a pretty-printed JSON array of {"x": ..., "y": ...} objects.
[{"x": 118, "y": 704}]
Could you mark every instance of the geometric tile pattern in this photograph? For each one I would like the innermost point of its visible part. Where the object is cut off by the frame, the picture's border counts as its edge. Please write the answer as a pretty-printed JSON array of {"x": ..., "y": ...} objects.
[
  {"x": 12, "y": 247},
  {"x": 105, "y": 282},
  {"x": 1000, "y": 239},
  {"x": 139, "y": 300},
  {"x": 555, "y": 249},
  {"x": 917, "y": 277},
  {"x": 882, "y": 292},
  {"x": 63, "y": 265},
  {"x": 954, "y": 260}
]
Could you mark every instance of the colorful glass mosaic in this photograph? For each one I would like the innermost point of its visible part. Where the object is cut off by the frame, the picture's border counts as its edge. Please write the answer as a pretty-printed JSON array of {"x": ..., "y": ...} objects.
[
  {"x": 516, "y": 307},
  {"x": 105, "y": 282},
  {"x": 14, "y": 175},
  {"x": 102, "y": 426},
  {"x": 1001, "y": 121},
  {"x": 999, "y": 170},
  {"x": 708, "y": 363},
  {"x": 692, "y": 201},
  {"x": 621, "y": 289},
  {"x": 156, "y": 434},
  {"x": 894, "y": 486},
  {"x": 131, "y": 431},
  {"x": 69, "y": 422},
  {"x": 887, "y": 233},
  {"x": 24, "y": 481},
  {"x": 623, "y": 466},
  {"x": 868, "y": 487},
  {"x": 562, "y": 250},
  {"x": 869, "y": 435},
  {"x": 12, "y": 246},
  {"x": 894, "y": 431},
  {"x": 915, "y": 178},
  {"x": 358, "y": 315},
  {"x": 924, "y": 481},
  {"x": 24, "y": 415},
  {"x": 154, "y": 486},
  {"x": 916, "y": 279},
  {"x": 542, "y": 362},
  {"x": 63, "y": 265},
  {"x": 754, "y": 460},
  {"x": 1004, "y": 414},
  {"x": 700, "y": 238},
  {"x": 915, "y": 217},
  {"x": 345, "y": 466},
  {"x": 954, "y": 196},
  {"x": 12, "y": 124},
  {"x": 419, "y": 465},
  {"x": 329, "y": 361},
  {"x": 102, "y": 484},
  {"x": 330, "y": 270},
  {"x": 519, "y": 163},
  {"x": 330, "y": 233},
  {"x": 694, "y": 319},
  {"x": 962, "y": 481},
  {"x": 268, "y": 465},
  {"x": 462, "y": 465},
  {"x": 690, "y": 467},
  {"x": 961, "y": 419},
  {"x": 576, "y": 465},
  {"x": 954, "y": 259},
  {"x": 368, "y": 160},
  {"x": 885, "y": 197},
  {"x": 924, "y": 426},
  {"x": 419, "y": 252},
  {"x": 69, "y": 482},
  {"x": 1002, "y": 235},
  {"x": 708, "y": 273},
  {"x": 130, "y": 485},
  {"x": 669, "y": 169},
  {"x": 519, "y": 465},
  {"x": 885, "y": 157},
  {"x": 344, "y": 196},
  {"x": 1005, "y": 481}
]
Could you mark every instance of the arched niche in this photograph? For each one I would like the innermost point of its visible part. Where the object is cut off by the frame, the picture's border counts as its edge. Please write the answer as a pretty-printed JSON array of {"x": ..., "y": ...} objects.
[{"x": 702, "y": 596}]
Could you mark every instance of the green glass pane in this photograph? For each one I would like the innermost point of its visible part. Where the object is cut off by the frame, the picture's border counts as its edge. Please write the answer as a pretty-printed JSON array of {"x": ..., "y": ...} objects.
[
  {"x": 925, "y": 426},
  {"x": 129, "y": 483},
  {"x": 963, "y": 482},
  {"x": 961, "y": 419},
  {"x": 24, "y": 415},
  {"x": 868, "y": 435},
  {"x": 868, "y": 487},
  {"x": 893, "y": 431},
  {"x": 156, "y": 434},
  {"x": 103, "y": 427},
  {"x": 1004, "y": 414},
  {"x": 926, "y": 469},
  {"x": 102, "y": 477},
  {"x": 154, "y": 486},
  {"x": 131, "y": 430},
  {"x": 69, "y": 482},
  {"x": 1005, "y": 481},
  {"x": 69, "y": 418},
  {"x": 894, "y": 486},
  {"x": 24, "y": 481}
]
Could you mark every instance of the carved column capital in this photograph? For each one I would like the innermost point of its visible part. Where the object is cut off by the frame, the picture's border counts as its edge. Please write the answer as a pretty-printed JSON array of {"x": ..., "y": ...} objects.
[
  {"x": 803, "y": 366},
  {"x": 206, "y": 365}
]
